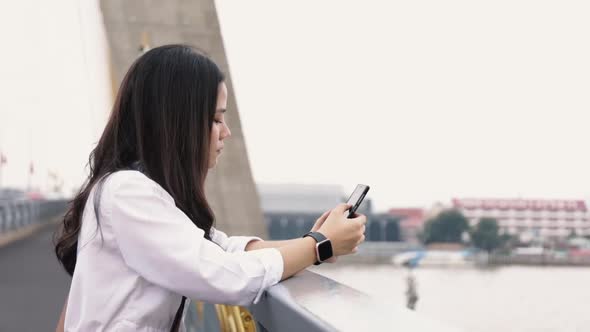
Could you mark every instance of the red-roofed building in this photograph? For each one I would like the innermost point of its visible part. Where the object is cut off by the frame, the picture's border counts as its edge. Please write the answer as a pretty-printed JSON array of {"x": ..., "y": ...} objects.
[{"x": 538, "y": 217}]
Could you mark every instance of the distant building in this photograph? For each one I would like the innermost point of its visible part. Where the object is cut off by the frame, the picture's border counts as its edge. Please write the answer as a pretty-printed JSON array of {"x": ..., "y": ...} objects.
[
  {"x": 411, "y": 222},
  {"x": 290, "y": 210},
  {"x": 529, "y": 218},
  {"x": 299, "y": 198},
  {"x": 383, "y": 227}
]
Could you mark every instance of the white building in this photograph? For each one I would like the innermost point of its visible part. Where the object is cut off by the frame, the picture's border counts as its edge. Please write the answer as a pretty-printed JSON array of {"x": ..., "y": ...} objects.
[{"x": 529, "y": 217}]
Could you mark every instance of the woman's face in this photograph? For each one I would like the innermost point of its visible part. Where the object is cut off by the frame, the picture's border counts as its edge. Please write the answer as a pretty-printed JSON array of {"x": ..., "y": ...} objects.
[{"x": 219, "y": 130}]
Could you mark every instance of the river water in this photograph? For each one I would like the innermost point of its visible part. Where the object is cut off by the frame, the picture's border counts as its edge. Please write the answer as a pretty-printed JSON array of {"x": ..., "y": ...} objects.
[{"x": 547, "y": 299}]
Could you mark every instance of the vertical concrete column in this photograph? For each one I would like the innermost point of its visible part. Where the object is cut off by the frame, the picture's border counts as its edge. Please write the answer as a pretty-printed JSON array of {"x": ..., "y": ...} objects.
[{"x": 230, "y": 187}]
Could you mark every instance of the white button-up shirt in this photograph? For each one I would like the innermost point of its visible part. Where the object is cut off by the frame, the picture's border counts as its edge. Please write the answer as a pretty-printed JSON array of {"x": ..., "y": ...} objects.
[{"x": 131, "y": 272}]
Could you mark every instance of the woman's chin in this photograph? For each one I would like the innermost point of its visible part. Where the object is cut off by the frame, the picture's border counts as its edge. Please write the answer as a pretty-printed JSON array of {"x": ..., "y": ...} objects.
[{"x": 212, "y": 163}]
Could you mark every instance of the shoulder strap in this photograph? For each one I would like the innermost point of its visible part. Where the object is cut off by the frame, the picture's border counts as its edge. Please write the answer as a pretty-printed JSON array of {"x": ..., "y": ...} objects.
[
  {"x": 178, "y": 317},
  {"x": 138, "y": 166}
]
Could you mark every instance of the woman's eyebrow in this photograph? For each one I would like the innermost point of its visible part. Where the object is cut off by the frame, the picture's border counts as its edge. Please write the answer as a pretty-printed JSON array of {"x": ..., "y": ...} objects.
[{"x": 221, "y": 110}]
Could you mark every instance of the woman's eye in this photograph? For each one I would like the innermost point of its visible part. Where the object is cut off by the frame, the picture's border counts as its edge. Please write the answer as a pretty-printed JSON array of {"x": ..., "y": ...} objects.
[{"x": 217, "y": 121}]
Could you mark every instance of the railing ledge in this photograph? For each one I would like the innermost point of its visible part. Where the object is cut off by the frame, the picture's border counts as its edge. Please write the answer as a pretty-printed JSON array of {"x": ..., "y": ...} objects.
[{"x": 310, "y": 302}]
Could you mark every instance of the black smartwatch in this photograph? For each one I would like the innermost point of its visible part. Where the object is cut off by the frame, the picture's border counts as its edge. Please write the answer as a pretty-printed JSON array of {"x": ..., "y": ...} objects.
[{"x": 323, "y": 247}]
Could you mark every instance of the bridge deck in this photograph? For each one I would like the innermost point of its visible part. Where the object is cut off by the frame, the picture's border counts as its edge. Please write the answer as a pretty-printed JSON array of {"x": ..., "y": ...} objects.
[{"x": 33, "y": 286}]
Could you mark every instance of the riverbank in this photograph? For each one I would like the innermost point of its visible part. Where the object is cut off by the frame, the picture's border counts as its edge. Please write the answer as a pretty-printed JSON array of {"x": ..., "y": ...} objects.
[
  {"x": 372, "y": 253},
  {"x": 538, "y": 260}
]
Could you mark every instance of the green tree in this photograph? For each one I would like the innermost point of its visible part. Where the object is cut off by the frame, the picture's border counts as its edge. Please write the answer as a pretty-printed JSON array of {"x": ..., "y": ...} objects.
[
  {"x": 447, "y": 226},
  {"x": 485, "y": 235}
]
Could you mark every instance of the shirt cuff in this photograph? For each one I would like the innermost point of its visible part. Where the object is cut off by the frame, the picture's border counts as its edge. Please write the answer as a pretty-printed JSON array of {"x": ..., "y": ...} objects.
[
  {"x": 273, "y": 263},
  {"x": 239, "y": 243}
]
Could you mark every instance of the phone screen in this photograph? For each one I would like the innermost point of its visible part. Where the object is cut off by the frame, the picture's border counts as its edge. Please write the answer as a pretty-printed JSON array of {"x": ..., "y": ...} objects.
[{"x": 356, "y": 198}]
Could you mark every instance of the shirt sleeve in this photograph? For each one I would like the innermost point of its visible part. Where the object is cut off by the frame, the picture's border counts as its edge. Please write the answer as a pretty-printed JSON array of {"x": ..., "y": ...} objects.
[
  {"x": 160, "y": 243},
  {"x": 231, "y": 243}
]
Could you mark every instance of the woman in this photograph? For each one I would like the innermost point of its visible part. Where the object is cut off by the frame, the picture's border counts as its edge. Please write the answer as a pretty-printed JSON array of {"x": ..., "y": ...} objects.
[{"x": 145, "y": 197}]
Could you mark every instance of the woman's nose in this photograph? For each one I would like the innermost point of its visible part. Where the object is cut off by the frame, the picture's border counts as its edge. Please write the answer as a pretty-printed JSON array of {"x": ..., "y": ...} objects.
[{"x": 227, "y": 132}]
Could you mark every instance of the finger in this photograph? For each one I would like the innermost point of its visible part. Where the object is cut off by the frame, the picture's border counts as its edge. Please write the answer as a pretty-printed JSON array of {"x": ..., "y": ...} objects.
[
  {"x": 361, "y": 240},
  {"x": 340, "y": 208},
  {"x": 355, "y": 250},
  {"x": 332, "y": 259},
  {"x": 320, "y": 221},
  {"x": 324, "y": 216},
  {"x": 361, "y": 219}
]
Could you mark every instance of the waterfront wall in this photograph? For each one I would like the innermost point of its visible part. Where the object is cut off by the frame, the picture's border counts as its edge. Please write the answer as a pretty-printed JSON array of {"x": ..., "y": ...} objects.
[{"x": 539, "y": 260}]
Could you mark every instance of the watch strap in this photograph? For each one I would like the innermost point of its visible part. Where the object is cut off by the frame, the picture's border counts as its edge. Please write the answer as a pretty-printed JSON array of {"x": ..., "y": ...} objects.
[{"x": 318, "y": 237}]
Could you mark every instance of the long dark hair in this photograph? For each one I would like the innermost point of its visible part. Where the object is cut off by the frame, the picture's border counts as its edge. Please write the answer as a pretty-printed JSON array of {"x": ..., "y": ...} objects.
[{"x": 162, "y": 118}]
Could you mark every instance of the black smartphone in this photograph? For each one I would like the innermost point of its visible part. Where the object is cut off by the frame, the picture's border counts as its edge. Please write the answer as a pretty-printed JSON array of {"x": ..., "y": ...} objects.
[{"x": 356, "y": 198}]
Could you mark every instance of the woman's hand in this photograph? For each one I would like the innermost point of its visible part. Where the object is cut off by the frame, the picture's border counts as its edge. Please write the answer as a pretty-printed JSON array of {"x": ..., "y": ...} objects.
[
  {"x": 344, "y": 234},
  {"x": 320, "y": 221}
]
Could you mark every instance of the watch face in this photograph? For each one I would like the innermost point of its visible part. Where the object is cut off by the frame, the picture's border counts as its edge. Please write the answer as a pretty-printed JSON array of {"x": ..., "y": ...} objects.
[{"x": 325, "y": 250}]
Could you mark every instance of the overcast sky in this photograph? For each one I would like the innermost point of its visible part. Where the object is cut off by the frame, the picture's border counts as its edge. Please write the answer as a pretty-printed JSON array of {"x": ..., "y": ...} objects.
[
  {"x": 421, "y": 100},
  {"x": 55, "y": 90}
]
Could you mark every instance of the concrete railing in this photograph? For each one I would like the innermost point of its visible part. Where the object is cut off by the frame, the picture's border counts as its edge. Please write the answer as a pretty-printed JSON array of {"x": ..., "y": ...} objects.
[
  {"x": 20, "y": 213},
  {"x": 312, "y": 303}
]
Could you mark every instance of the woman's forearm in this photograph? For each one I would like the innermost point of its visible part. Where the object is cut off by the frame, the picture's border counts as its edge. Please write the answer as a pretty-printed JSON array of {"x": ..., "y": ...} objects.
[
  {"x": 255, "y": 245},
  {"x": 298, "y": 254}
]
